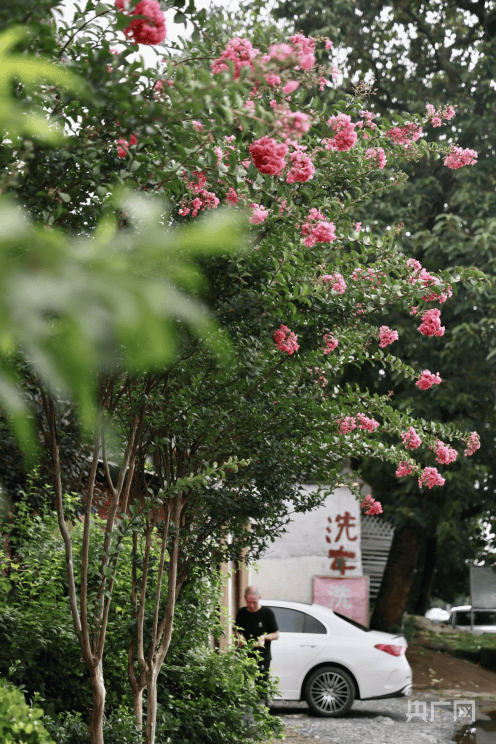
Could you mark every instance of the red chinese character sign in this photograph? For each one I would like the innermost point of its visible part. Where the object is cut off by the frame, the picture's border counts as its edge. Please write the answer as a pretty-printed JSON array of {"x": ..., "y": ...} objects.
[{"x": 348, "y": 596}]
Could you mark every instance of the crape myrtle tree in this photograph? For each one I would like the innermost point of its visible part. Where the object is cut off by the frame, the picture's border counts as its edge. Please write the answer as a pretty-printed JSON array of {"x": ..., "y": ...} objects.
[
  {"x": 423, "y": 57},
  {"x": 206, "y": 442}
]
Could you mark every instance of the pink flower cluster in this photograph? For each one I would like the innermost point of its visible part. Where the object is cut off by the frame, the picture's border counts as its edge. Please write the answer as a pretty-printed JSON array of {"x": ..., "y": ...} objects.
[
  {"x": 291, "y": 124},
  {"x": 203, "y": 200},
  {"x": 365, "y": 423},
  {"x": 238, "y": 51},
  {"x": 344, "y": 133},
  {"x": 371, "y": 505},
  {"x": 232, "y": 197},
  {"x": 444, "y": 454},
  {"x": 458, "y": 157},
  {"x": 268, "y": 156},
  {"x": 258, "y": 214},
  {"x": 407, "y": 467},
  {"x": 304, "y": 47},
  {"x": 302, "y": 168},
  {"x": 123, "y": 145},
  {"x": 149, "y": 30},
  {"x": 427, "y": 380},
  {"x": 349, "y": 423},
  {"x": 337, "y": 281},
  {"x": 346, "y": 425},
  {"x": 387, "y": 336},
  {"x": 411, "y": 439},
  {"x": 377, "y": 155},
  {"x": 473, "y": 444},
  {"x": 436, "y": 116},
  {"x": 430, "y": 477},
  {"x": 330, "y": 343},
  {"x": 431, "y": 323},
  {"x": 316, "y": 229},
  {"x": 286, "y": 340},
  {"x": 319, "y": 377},
  {"x": 404, "y": 135}
]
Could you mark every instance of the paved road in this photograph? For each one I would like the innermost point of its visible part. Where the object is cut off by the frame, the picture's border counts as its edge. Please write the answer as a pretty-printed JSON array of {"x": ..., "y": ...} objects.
[{"x": 383, "y": 721}]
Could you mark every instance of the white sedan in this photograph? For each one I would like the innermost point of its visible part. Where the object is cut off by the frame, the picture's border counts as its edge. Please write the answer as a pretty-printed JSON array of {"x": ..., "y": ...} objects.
[{"x": 329, "y": 660}]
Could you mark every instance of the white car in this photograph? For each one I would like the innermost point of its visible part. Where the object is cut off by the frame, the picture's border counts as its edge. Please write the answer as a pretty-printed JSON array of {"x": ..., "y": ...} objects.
[
  {"x": 484, "y": 620},
  {"x": 436, "y": 615},
  {"x": 329, "y": 660}
]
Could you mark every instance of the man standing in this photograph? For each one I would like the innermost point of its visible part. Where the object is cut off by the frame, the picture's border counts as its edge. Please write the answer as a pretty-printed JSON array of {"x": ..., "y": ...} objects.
[{"x": 255, "y": 621}]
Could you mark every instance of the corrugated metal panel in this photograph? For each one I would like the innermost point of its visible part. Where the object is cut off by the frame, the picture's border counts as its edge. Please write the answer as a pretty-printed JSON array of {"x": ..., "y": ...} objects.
[{"x": 377, "y": 536}]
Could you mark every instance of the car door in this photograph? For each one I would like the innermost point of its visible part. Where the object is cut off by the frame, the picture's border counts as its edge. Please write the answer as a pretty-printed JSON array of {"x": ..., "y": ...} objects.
[{"x": 301, "y": 640}]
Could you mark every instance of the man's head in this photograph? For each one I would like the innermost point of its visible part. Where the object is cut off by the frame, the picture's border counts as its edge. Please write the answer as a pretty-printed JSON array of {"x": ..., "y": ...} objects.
[{"x": 252, "y": 598}]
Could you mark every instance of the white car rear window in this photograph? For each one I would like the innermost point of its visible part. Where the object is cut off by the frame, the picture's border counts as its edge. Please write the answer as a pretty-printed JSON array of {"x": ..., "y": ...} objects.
[{"x": 294, "y": 621}]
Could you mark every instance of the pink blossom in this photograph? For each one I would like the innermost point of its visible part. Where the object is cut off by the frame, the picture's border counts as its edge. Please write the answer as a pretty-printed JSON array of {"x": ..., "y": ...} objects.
[
  {"x": 302, "y": 168},
  {"x": 286, "y": 340},
  {"x": 345, "y": 136},
  {"x": 473, "y": 444},
  {"x": 232, "y": 197},
  {"x": 149, "y": 30},
  {"x": 387, "y": 336},
  {"x": 328, "y": 43},
  {"x": 238, "y": 51},
  {"x": 259, "y": 214},
  {"x": 458, "y": 157},
  {"x": 122, "y": 145},
  {"x": 371, "y": 505},
  {"x": 377, "y": 155},
  {"x": 273, "y": 80},
  {"x": 448, "y": 112},
  {"x": 427, "y": 380},
  {"x": 346, "y": 425},
  {"x": 358, "y": 226},
  {"x": 444, "y": 454},
  {"x": 412, "y": 263},
  {"x": 331, "y": 343},
  {"x": 411, "y": 439},
  {"x": 368, "y": 119},
  {"x": 269, "y": 156},
  {"x": 283, "y": 206},
  {"x": 281, "y": 52},
  {"x": 316, "y": 229},
  {"x": 132, "y": 139},
  {"x": 436, "y": 121},
  {"x": 337, "y": 281},
  {"x": 304, "y": 50},
  {"x": 431, "y": 323},
  {"x": 197, "y": 125},
  {"x": 414, "y": 310},
  {"x": 405, "y": 468},
  {"x": 320, "y": 378},
  {"x": 403, "y": 135},
  {"x": 430, "y": 477},
  {"x": 290, "y": 87},
  {"x": 365, "y": 423}
]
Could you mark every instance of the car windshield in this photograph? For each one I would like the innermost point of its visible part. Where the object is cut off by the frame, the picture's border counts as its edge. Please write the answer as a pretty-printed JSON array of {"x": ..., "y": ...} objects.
[{"x": 352, "y": 622}]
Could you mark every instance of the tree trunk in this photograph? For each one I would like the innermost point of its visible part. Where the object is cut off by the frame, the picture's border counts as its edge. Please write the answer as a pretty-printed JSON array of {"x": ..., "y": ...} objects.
[
  {"x": 398, "y": 576},
  {"x": 96, "y": 718},
  {"x": 424, "y": 594},
  {"x": 151, "y": 710}
]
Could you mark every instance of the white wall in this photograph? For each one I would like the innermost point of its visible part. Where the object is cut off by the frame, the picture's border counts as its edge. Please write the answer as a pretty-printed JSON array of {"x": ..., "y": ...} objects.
[{"x": 287, "y": 568}]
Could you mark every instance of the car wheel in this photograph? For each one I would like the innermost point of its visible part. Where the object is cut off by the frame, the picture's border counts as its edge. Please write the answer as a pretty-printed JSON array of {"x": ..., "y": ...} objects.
[{"x": 329, "y": 691}]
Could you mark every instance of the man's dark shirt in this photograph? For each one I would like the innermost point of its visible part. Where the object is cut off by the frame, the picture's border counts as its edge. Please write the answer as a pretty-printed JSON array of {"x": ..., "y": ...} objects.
[{"x": 255, "y": 624}]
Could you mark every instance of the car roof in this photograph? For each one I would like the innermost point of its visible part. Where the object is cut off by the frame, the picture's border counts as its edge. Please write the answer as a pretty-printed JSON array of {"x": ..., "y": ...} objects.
[
  {"x": 302, "y": 606},
  {"x": 461, "y": 607}
]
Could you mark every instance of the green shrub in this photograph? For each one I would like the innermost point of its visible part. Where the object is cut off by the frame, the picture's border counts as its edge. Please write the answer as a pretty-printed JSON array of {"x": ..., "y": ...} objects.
[
  {"x": 19, "y": 722},
  {"x": 70, "y": 728}
]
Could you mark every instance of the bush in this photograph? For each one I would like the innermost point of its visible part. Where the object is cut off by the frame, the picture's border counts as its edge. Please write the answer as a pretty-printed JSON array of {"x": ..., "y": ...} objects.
[
  {"x": 118, "y": 728},
  {"x": 18, "y": 721},
  {"x": 214, "y": 698}
]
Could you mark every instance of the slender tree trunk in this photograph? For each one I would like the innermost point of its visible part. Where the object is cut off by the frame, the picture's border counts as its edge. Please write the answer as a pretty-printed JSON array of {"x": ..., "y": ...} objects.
[
  {"x": 151, "y": 709},
  {"x": 425, "y": 591},
  {"x": 398, "y": 576},
  {"x": 96, "y": 718},
  {"x": 138, "y": 707}
]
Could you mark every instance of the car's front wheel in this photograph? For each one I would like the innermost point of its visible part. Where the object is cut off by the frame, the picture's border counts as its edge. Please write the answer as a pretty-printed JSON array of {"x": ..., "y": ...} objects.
[{"x": 329, "y": 691}]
